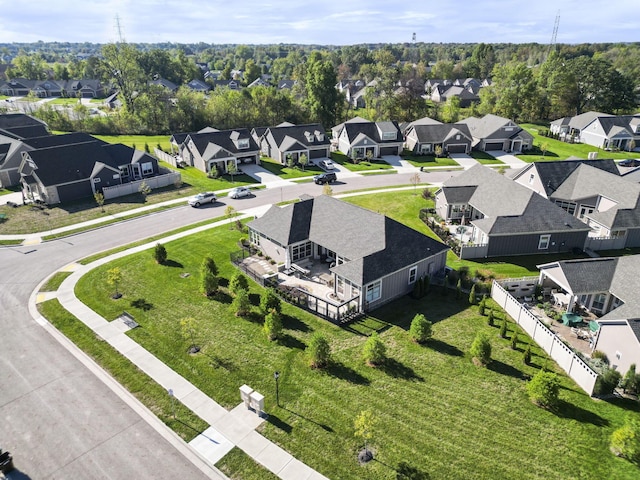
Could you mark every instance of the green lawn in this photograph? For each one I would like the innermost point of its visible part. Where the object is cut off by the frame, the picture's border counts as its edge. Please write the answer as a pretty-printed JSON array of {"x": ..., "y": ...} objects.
[
  {"x": 484, "y": 158},
  {"x": 365, "y": 165},
  {"x": 438, "y": 415},
  {"x": 285, "y": 172},
  {"x": 64, "y": 101},
  {"x": 139, "y": 141},
  {"x": 238, "y": 465},
  {"x": 427, "y": 161},
  {"x": 557, "y": 150}
]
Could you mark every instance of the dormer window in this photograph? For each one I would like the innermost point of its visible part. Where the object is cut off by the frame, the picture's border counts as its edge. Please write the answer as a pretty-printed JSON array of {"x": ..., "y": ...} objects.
[
  {"x": 309, "y": 136},
  {"x": 319, "y": 135},
  {"x": 243, "y": 143},
  {"x": 389, "y": 135}
]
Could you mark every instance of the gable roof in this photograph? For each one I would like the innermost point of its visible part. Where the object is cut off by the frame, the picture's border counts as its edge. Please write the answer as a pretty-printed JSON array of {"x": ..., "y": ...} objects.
[
  {"x": 372, "y": 130},
  {"x": 225, "y": 139},
  {"x": 579, "y": 122},
  {"x": 490, "y": 126},
  {"x": 296, "y": 137},
  {"x": 438, "y": 133},
  {"x": 59, "y": 140},
  {"x": 17, "y": 120},
  {"x": 377, "y": 245}
]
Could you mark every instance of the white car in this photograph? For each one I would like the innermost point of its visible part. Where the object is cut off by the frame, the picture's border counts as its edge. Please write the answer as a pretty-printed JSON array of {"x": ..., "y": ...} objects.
[
  {"x": 239, "y": 192},
  {"x": 202, "y": 198},
  {"x": 327, "y": 164}
]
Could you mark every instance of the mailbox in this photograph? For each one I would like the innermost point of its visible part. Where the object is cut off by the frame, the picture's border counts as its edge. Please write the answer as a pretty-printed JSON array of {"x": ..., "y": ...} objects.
[
  {"x": 245, "y": 395},
  {"x": 257, "y": 402}
]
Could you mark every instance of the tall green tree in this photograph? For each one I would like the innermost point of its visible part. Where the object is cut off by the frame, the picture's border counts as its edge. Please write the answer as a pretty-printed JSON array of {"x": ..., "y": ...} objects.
[
  {"x": 516, "y": 90},
  {"x": 322, "y": 98},
  {"x": 120, "y": 63}
]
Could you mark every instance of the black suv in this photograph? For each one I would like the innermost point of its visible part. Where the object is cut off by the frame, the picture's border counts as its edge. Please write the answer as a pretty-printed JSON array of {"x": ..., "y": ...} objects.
[{"x": 328, "y": 177}]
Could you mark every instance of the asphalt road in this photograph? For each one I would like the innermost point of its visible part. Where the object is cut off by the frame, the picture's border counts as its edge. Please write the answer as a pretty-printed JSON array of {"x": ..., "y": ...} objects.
[{"x": 57, "y": 418}]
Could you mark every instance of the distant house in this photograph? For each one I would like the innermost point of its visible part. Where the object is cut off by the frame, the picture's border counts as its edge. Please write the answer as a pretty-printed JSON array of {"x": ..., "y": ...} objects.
[
  {"x": 422, "y": 139},
  {"x": 17, "y": 87},
  {"x": 163, "y": 82},
  {"x": 63, "y": 173},
  {"x": 606, "y": 287},
  {"x": 199, "y": 86},
  {"x": 85, "y": 88},
  {"x": 360, "y": 138},
  {"x": 15, "y": 130},
  {"x": 286, "y": 84},
  {"x": 215, "y": 149},
  {"x": 497, "y": 133},
  {"x": 381, "y": 260},
  {"x": 466, "y": 95},
  {"x": 610, "y": 132},
  {"x": 594, "y": 192},
  {"x": 293, "y": 141},
  {"x": 506, "y": 218}
]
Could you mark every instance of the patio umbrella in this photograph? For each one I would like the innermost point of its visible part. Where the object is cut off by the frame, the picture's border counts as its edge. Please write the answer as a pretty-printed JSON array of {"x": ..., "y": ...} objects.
[{"x": 594, "y": 326}]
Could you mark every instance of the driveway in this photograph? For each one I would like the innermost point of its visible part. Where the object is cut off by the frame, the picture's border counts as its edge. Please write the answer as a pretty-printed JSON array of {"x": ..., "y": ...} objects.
[
  {"x": 340, "y": 170},
  {"x": 464, "y": 160},
  {"x": 401, "y": 166},
  {"x": 508, "y": 159},
  {"x": 264, "y": 176}
]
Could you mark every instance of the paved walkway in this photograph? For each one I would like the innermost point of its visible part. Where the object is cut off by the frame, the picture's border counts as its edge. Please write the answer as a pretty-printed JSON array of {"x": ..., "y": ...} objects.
[
  {"x": 227, "y": 428},
  {"x": 264, "y": 176},
  {"x": 400, "y": 165}
]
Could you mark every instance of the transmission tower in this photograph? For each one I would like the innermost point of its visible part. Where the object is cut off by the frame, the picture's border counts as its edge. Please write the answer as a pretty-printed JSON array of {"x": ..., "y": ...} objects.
[
  {"x": 554, "y": 35},
  {"x": 413, "y": 37},
  {"x": 119, "y": 29}
]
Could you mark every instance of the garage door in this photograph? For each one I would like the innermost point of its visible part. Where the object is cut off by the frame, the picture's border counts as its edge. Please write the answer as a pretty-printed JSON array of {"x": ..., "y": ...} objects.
[
  {"x": 251, "y": 159},
  {"x": 457, "y": 148},
  {"x": 321, "y": 153},
  {"x": 389, "y": 151},
  {"x": 74, "y": 191},
  {"x": 493, "y": 146}
]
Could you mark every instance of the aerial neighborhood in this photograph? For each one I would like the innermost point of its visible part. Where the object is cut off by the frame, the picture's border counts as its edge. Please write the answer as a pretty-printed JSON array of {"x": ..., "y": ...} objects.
[{"x": 394, "y": 256}]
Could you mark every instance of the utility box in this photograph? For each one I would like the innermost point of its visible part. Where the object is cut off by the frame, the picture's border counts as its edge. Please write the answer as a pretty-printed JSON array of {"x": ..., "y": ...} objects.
[
  {"x": 245, "y": 395},
  {"x": 257, "y": 402}
]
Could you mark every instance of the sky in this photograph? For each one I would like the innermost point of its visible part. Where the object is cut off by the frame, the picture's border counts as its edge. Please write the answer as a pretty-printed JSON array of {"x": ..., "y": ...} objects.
[{"x": 322, "y": 22}]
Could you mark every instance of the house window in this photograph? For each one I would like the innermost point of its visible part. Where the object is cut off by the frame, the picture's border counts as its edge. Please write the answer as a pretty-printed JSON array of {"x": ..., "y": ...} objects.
[
  {"x": 586, "y": 210},
  {"x": 389, "y": 135},
  {"x": 340, "y": 285},
  {"x": 97, "y": 180},
  {"x": 374, "y": 291},
  {"x": 543, "y": 243},
  {"x": 457, "y": 137},
  {"x": 598, "y": 302},
  {"x": 413, "y": 273},
  {"x": 147, "y": 168},
  {"x": 531, "y": 177},
  {"x": 425, "y": 147},
  {"x": 124, "y": 171},
  {"x": 298, "y": 252},
  {"x": 569, "y": 207},
  {"x": 618, "y": 233},
  {"x": 243, "y": 143},
  {"x": 254, "y": 237}
]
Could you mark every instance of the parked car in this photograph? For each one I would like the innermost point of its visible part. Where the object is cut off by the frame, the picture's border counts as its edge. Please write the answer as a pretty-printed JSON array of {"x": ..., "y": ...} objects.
[
  {"x": 327, "y": 164},
  {"x": 240, "y": 192},
  {"x": 328, "y": 177},
  {"x": 202, "y": 198}
]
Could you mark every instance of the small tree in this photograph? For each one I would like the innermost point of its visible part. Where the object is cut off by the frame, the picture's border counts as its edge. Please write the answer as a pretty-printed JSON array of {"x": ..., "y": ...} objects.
[
  {"x": 625, "y": 441},
  {"x": 374, "y": 350},
  {"x": 273, "y": 325},
  {"x": 490, "y": 318},
  {"x": 319, "y": 351},
  {"x": 209, "y": 276},
  {"x": 146, "y": 148},
  {"x": 472, "y": 295},
  {"x": 544, "y": 146},
  {"x": 482, "y": 305},
  {"x": 327, "y": 190},
  {"x": 364, "y": 426},
  {"x": 238, "y": 282},
  {"x": 230, "y": 213},
  {"x": 527, "y": 355},
  {"x": 438, "y": 151},
  {"x": 232, "y": 168},
  {"x": 544, "y": 388},
  {"x": 144, "y": 190},
  {"x": 481, "y": 349},
  {"x": 607, "y": 381},
  {"x": 629, "y": 383},
  {"x": 290, "y": 161},
  {"x": 99, "y": 198},
  {"x": 503, "y": 328},
  {"x": 160, "y": 254},
  {"x": 270, "y": 301},
  {"x": 188, "y": 327},
  {"x": 241, "y": 305},
  {"x": 415, "y": 181},
  {"x": 114, "y": 277},
  {"x": 303, "y": 161},
  {"x": 420, "y": 329},
  {"x": 514, "y": 340}
]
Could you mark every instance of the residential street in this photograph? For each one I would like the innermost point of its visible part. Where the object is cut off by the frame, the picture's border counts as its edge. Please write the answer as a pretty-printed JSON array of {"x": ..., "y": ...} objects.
[{"x": 57, "y": 418}]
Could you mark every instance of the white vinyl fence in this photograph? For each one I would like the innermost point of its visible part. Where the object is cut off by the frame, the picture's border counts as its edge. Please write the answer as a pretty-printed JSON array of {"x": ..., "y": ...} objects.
[
  {"x": 571, "y": 363},
  {"x": 133, "y": 187},
  {"x": 166, "y": 157}
]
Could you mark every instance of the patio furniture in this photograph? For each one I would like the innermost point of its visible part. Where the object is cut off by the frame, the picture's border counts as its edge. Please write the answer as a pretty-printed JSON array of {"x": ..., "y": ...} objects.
[
  {"x": 561, "y": 299},
  {"x": 571, "y": 319}
]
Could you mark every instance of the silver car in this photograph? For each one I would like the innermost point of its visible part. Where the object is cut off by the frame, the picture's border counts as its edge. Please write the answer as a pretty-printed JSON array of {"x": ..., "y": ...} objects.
[
  {"x": 202, "y": 198},
  {"x": 239, "y": 192}
]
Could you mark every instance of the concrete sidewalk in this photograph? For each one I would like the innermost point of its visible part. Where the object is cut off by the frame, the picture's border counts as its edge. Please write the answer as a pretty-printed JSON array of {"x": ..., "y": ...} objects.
[{"x": 227, "y": 428}]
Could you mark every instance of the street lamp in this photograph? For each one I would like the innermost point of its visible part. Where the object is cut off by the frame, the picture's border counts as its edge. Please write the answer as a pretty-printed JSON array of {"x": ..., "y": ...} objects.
[
  {"x": 173, "y": 402},
  {"x": 276, "y": 375}
]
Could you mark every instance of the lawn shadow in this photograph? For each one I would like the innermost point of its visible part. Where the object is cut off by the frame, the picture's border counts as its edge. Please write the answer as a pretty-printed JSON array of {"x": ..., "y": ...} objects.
[
  {"x": 254, "y": 299},
  {"x": 289, "y": 341},
  {"x": 341, "y": 371},
  {"x": 254, "y": 317},
  {"x": 222, "y": 297},
  {"x": 277, "y": 422},
  {"x": 142, "y": 304},
  {"x": 574, "y": 412},
  {"x": 217, "y": 362},
  {"x": 172, "y": 263},
  {"x": 223, "y": 282},
  {"x": 16, "y": 474},
  {"x": 504, "y": 369},
  {"x": 443, "y": 347},
  {"x": 625, "y": 403},
  {"x": 409, "y": 472},
  {"x": 293, "y": 323},
  {"x": 326, "y": 428},
  {"x": 395, "y": 369}
]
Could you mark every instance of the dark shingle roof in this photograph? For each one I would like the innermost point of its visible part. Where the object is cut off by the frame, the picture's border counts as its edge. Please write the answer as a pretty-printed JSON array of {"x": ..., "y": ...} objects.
[
  {"x": 438, "y": 133},
  {"x": 455, "y": 195},
  {"x": 57, "y": 140},
  {"x": 553, "y": 174},
  {"x": 11, "y": 120},
  {"x": 370, "y": 129},
  {"x": 224, "y": 139},
  {"x": 299, "y": 134},
  {"x": 28, "y": 131}
]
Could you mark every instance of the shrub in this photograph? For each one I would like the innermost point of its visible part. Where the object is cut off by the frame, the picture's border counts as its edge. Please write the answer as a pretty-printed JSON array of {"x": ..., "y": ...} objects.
[
  {"x": 241, "y": 304},
  {"x": 420, "y": 329},
  {"x": 417, "y": 291},
  {"x": 599, "y": 355},
  {"x": 273, "y": 325},
  {"x": 503, "y": 328},
  {"x": 238, "y": 282},
  {"x": 481, "y": 349},
  {"x": 625, "y": 441},
  {"x": 160, "y": 253},
  {"x": 319, "y": 351},
  {"x": 472, "y": 295},
  {"x": 482, "y": 306},
  {"x": 459, "y": 289},
  {"x": 374, "y": 350},
  {"x": 209, "y": 276},
  {"x": 527, "y": 355},
  {"x": 514, "y": 340},
  {"x": 270, "y": 301},
  {"x": 543, "y": 389},
  {"x": 607, "y": 381},
  {"x": 629, "y": 383},
  {"x": 490, "y": 317}
]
